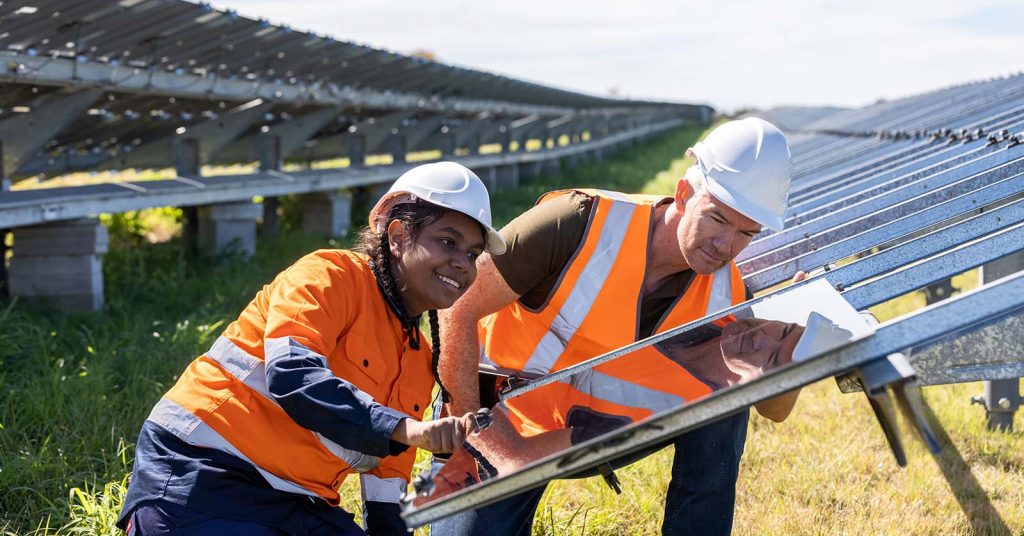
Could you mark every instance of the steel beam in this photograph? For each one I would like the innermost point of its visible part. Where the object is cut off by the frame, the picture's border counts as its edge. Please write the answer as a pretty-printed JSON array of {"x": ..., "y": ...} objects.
[
  {"x": 292, "y": 135},
  {"x": 20, "y": 68},
  {"x": 927, "y": 328},
  {"x": 28, "y": 207},
  {"x": 212, "y": 135},
  {"x": 24, "y": 134}
]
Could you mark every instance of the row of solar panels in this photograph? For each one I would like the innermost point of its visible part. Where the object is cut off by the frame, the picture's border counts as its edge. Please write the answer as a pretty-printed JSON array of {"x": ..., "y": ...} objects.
[
  {"x": 182, "y": 37},
  {"x": 885, "y": 200},
  {"x": 107, "y": 84}
]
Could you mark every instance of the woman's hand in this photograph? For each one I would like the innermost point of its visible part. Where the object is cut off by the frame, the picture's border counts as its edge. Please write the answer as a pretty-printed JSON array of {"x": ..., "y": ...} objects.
[{"x": 441, "y": 435}]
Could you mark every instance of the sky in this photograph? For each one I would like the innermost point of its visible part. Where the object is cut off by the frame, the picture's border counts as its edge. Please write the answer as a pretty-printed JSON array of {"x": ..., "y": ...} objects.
[{"x": 729, "y": 54}]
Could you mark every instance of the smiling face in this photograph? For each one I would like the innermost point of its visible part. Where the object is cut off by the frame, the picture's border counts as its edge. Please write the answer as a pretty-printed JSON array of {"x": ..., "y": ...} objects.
[
  {"x": 710, "y": 233},
  {"x": 436, "y": 266}
]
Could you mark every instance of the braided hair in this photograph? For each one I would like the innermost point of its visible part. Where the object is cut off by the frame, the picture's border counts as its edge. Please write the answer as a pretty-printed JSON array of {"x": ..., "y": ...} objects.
[{"x": 412, "y": 216}]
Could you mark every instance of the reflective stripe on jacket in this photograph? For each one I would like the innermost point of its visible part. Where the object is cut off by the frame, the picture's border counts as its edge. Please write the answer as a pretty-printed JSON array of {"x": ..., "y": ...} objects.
[
  {"x": 594, "y": 309},
  {"x": 324, "y": 314}
]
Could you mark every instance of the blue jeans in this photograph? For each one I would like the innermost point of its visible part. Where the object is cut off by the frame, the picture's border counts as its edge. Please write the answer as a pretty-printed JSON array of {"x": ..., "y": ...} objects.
[
  {"x": 700, "y": 499},
  {"x": 166, "y": 518}
]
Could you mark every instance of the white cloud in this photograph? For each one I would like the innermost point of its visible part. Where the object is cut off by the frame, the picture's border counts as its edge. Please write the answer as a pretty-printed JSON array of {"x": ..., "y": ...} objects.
[{"x": 728, "y": 54}]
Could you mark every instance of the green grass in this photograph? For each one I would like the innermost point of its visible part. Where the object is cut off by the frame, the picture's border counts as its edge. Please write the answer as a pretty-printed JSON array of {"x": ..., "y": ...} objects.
[{"x": 74, "y": 390}]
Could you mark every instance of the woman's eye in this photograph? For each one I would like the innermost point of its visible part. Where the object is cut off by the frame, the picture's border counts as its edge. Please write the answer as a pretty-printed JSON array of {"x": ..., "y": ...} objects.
[
  {"x": 448, "y": 242},
  {"x": 473, "y": 256}
]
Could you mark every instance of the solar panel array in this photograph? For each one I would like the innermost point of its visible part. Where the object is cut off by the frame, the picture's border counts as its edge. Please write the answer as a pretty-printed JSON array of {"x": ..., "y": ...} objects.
[
  {"x": 102, "y": 84},
  {"x": 885, "y": 200}
]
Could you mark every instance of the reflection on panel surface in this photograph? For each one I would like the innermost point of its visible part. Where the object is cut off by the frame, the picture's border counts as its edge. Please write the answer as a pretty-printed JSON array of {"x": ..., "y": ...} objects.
[{"x": 592, "y": 402}]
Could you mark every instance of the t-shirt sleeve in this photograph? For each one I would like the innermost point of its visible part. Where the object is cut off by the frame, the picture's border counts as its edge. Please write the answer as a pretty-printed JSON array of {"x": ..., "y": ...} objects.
[{"x": 541, "y": 242}]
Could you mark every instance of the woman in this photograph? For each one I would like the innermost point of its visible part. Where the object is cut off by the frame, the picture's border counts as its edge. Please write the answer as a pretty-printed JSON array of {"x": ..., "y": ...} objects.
[{"x": 323, "y": 374}]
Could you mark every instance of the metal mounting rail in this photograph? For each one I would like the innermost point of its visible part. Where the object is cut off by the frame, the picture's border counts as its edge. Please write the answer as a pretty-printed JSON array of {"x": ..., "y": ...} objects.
[
  {"x": 28, "y": 207},
  {"x": 984, "y": 312}
]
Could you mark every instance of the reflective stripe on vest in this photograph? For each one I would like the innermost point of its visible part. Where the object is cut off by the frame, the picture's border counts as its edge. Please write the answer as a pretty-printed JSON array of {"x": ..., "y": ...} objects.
[
  {"x": 377, "y": 489},
  {"x": 721, "y": 290},
  {"x": 192, "y": 430},
  {"x": 571, "y": 328},
  {"x": 577, "y": 305},
  {"x": 622, "y": 392},
  {"x": 252, "y": 372}
]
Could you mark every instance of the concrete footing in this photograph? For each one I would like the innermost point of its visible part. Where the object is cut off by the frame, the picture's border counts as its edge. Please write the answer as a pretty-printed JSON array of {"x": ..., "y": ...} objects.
[
  {"x": 229, "y": 227},
  {"x": 60, "y": 264},
  {"x": 327, "y": 214}
]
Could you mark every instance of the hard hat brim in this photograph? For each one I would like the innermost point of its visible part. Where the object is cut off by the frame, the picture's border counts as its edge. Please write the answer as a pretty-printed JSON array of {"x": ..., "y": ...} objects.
[
  {"x": 742, "y": 204},
  {"x": 495, "y": 243}
]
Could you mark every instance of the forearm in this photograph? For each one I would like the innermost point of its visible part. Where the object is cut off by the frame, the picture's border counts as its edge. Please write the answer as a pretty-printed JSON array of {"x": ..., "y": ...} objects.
[
  {"x": 460, "y": 358},
  {"x": 778, "y": 408},
  {"x": 316, "y": 399}
]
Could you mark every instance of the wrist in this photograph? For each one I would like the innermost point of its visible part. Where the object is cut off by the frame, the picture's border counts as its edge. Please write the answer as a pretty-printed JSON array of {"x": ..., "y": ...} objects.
[{"x": 401, "y": 432}]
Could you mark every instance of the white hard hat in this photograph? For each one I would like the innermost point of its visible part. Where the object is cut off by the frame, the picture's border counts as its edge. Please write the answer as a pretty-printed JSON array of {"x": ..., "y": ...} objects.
[
  {"x": 445, "y": 184},
  {"x": 745, "y": 164}
]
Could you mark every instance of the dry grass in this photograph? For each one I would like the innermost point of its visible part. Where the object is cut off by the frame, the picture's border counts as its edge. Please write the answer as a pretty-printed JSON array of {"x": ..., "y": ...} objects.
[{"x": 828, "y": 469}]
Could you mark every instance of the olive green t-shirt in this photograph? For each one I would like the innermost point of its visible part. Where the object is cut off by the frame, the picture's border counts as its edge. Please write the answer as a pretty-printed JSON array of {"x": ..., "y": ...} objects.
[{"x": 543, "y": 240}]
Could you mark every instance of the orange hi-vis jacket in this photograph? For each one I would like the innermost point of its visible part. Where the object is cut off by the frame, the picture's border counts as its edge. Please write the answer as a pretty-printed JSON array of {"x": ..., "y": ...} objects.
[
  {"x": 593, "y": 310},
  {"x": 325, "y": 311}
]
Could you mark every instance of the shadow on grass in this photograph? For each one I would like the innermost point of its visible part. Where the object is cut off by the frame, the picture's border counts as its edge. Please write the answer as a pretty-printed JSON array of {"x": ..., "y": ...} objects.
[{"x": 973, "y": 499}]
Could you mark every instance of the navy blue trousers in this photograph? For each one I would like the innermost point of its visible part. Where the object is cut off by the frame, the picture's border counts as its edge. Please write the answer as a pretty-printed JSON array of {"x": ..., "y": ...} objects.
[
  {"x": 700, "y": 500},
  {"x": 166, "y": 518}
]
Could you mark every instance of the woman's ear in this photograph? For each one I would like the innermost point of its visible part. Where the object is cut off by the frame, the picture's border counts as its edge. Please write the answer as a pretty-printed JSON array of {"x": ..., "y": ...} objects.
[{"x": 397, "y": 238}]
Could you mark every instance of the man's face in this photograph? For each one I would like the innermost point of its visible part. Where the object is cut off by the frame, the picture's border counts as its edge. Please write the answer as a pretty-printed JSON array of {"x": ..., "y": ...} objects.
[
  {"x": 764, "y": 344},
  {"x": 711, "y": 233}
]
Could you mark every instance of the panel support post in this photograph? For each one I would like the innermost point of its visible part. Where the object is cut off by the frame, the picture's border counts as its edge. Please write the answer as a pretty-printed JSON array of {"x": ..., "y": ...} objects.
[
  {"x": 327, "y": 214},
  {"x": 397, "y": 149},
  {"x": 1002, "y": 397},
  {"x": 185, "y": 157},
  {"x": 60, "y": 264},
  {"x": 268, "y": 149},
  {"x": 447, "y": 144},
  {"x": 528, "y": 170},
  {"x": 356, "y": 150},
  {"x": 229, "y": 228},
  {"x": 506, "y": 177},
  {"x": 552, "y": 166},
  {"x": 5, "y": 282}
]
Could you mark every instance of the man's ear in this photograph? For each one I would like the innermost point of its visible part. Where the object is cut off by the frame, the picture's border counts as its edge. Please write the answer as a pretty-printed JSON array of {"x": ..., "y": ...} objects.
[
  {"x": 683, "y": 191},
  {"x": 397, "y": 238}
]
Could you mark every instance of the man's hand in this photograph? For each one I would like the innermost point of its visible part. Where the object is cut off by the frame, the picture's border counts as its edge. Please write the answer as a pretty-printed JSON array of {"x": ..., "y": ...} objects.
[{"x": 441, "y": 436}]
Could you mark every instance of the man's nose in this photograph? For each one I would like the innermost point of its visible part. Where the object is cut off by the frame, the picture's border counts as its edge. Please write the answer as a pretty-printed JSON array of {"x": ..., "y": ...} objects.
[{"x": 723, "y": 243}]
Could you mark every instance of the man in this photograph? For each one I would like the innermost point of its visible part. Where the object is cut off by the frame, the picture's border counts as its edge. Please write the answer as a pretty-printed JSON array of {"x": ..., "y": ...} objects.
[{"x": 587, "y": 272}]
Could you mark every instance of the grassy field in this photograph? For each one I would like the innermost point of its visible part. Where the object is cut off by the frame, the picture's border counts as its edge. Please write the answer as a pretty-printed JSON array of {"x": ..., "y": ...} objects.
[{"x": 74, "y": 390}]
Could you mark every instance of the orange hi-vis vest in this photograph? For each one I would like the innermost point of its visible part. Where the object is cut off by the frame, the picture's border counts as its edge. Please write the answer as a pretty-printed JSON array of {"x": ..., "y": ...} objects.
[
  {"x": 593, "y": 310},
  {"x": 327, "y": 304}
]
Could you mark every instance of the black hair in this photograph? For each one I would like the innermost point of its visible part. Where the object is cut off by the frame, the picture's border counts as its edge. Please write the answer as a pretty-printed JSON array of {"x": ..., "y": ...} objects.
[{"x": 413, "y": 217}]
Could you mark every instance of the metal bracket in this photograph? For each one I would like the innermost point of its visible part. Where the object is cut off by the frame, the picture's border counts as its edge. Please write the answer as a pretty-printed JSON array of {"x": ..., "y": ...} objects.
[
  {"x": 608, "y": 474},
  {"x": 1000, "y": 400},
  {"x": 876, "y": 379},
  {"x": 512, "y": 383}
]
